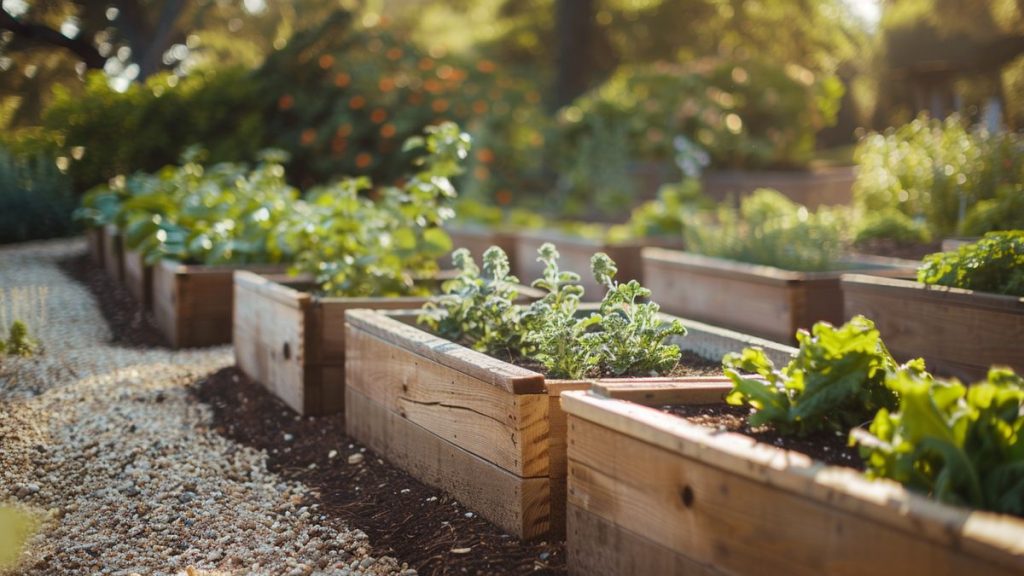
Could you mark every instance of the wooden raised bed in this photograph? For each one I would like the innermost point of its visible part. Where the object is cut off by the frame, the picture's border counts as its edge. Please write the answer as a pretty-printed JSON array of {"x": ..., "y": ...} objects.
[
  {"x": 958, "y": 332},
  {"x": 478, "y": 240},
  {"x": 488, "y": 432},
  {"x": 193, "y": 304},
  {"x": 760, "y": 300},
  {"x": 113, "y": 253},
  {"x": 649, "y": 493},
  {"x": 293, "y": 342},
  {"x": 138, "y": 276},
  {"x": 94, "y": 245},
  {"x": 575, "y": 253}
]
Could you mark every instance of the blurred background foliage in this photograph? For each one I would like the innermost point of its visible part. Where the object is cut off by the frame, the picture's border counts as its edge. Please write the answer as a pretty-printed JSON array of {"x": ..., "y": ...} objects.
[{"x": 571, "y": 103}]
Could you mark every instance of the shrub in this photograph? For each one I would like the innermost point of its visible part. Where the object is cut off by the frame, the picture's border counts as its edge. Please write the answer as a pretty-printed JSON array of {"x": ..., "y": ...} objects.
[
  {"x": 993, "y": 264},
  {"x": 771, "y": 230},
  {"x": 35, "y": 198},
  {"x": 892, "y": 225},
  {"x": 935, "y": 170}
]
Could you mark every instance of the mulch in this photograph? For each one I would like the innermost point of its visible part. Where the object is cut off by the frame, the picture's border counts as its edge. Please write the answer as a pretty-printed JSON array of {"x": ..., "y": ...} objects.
[{"x": 403, "y": 517}]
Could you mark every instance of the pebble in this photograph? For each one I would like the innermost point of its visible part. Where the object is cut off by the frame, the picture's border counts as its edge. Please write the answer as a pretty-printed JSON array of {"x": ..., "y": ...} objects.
[
  {"x": 356, "y": 458},
  {"x": 110, "y": 440}
]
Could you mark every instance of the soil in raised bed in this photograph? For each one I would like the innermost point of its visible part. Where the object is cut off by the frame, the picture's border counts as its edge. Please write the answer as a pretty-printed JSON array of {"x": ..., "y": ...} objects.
[
  {"x": 690, "y": 364},
  {"x": 129, "y": 324},
  {"x": 830, "y": 448},
  {"x": 403, "y": 517}
]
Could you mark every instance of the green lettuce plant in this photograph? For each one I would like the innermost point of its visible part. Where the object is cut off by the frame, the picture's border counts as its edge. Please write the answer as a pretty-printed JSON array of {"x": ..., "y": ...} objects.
[{"x": 993, "y": 264}]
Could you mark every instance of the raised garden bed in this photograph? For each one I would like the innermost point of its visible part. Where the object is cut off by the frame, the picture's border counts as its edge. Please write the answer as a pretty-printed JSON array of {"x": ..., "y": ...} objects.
[
  {"x": 113, "y": 252},
  {"x": 293, "y": 342},
  {"x": 193, "y": 304},
  {"x": 649, "y": 493},
  {"x": 575, "y": 255},
  {"x": 958, "y": 332},
  {"x": 94, "y": 245},
  {"x": 489, "y": 432},
  {"x": 138, "y": 276},
  {"x": 761, "y": 300}
]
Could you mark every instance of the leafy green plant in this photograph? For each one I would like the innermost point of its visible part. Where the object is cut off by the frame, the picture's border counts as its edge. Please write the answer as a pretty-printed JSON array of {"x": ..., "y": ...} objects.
[
  {"x": 891, "y": 225},
  {"x": 960, "y": 445},
  {"x": 624, "y": 336},
  {"x": 836, "y": 380},
  {"x": 993, "y": 264},
  {"x": 35, "y": 198},
  {"x": 666, "y": 216},
  {"x": 19, "y": 343},
  {"x": 1004, "y": 211},
  {"x": 771, "y": 230}
]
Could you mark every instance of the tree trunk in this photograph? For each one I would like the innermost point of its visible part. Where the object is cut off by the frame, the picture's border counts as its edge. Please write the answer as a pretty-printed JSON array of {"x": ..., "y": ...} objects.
[{"x": 575, "y": 31}]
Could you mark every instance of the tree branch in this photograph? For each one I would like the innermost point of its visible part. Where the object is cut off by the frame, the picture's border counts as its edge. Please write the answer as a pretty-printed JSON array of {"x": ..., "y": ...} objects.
[{"x": 40, "y": 34}]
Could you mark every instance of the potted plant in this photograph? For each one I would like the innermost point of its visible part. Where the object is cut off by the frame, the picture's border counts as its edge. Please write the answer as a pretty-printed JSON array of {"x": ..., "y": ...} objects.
[
  {"x": 964, "y": 313},
  {"x": 767, "y": 268},
  {"x": 673, "y": 489},
  {"x": 481, "y": 426}
]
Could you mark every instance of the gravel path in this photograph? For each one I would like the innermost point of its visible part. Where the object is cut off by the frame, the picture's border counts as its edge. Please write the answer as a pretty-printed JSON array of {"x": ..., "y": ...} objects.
[{"x": 107, "y": 449}]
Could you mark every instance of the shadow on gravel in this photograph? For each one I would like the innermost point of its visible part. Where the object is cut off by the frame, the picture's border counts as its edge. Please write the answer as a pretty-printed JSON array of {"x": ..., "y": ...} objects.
[
  {"x": 129, "y": 325},
  {"x": 403, "y": 518}
]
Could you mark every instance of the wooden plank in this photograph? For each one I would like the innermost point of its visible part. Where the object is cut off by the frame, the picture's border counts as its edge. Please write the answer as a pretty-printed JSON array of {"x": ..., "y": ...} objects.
[
  {"x": 165, "y": 299},
  {"x": 517, "y": 505},
  {"x": 138, "y": 276},
  {"x": 995, "y": 537},
  {"x": 598, "y": 547},
  {"x": 667, "y": 391},
  {"x": 509, "y": 430},
  {"x": 480, "y": 366},
  {"x": 931, "y": 322},
  {"x": 113, "y": 253}
]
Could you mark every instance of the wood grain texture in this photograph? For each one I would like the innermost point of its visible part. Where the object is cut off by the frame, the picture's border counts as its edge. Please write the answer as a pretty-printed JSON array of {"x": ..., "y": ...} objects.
[
  {"x": 958, "y": 332},
  {"x": 754, "y": 508},
  {"x": 761, "y": 300},
  {"x": 598, "y": 547},
  {"x": 113, "y": 253},
  {"x": 494, "y": 372},
  {"x": 666, "y": 391},
  {"x": 506, "y": 429},
  {"x": 517, "y": 505},
  {"x": 138, "y": 276},
  {"x": 94, "y": 245}
]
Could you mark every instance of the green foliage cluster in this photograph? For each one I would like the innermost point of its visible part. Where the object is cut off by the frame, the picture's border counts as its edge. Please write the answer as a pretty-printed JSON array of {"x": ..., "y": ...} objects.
[
  {"x": 954, "y": 179},
  {"x": 836, "y": 380},
  {"x": 890, "y": 224},
  {"x": 666, "y": 216},
  {"x": 993, "y": 264},
  {"x": 746, "y": 114},
  {"x": 35, "y": 197},
  {"x": 624, "y": 336},
  {"x": 342, "y": 97},
  {"x": 355, "y": 246},
  {"x": 103, "y": 132},
  {"x": 19, "y": 342},
  {"x": 960, "y": 445},
  {"x": 219, "y": 214},
  {"x": 771, "y": 230}
]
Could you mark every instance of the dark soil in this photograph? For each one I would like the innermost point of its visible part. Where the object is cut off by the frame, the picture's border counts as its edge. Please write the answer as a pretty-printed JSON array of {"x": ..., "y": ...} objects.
[
  {"x": 403, "y": 518},
  {"x": 891, "y": 249},
  {"x": 690, "y": 364},
  {"x": 829, "y": 448},
  {"x": 130, "y": 325}
]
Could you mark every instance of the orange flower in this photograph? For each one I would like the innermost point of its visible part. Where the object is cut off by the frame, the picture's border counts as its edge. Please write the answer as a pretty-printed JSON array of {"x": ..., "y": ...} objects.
[
  {"x": 439, "y": 105},
  {"x": 338, "y": 145},
  {"x": 341, "y": 79},
  {"x": 386, "y": 84},
  {"x": 357, "y": 102},
  {"x": 363, "y": 159},
  {"x": 481, "y": 173},
  {"x": 503, "y": 197},
  {"x": 326, "y": 61},
  {"x": 485, "y": 155},
  {"x": 285, "y": 102},
  {"x": 308, "y": 136},
  {"x": 378, "y": 115},
  {"x": 388, "y": 130},
  {"x": 426, "y": 64},
  {"x": 344, "y": 130},
  {"x": 480, "y": 107},
  {"x": 394, "y": 53},
  {"x": 432, "y": 86},
  {"x": 486, "y": 66}
]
